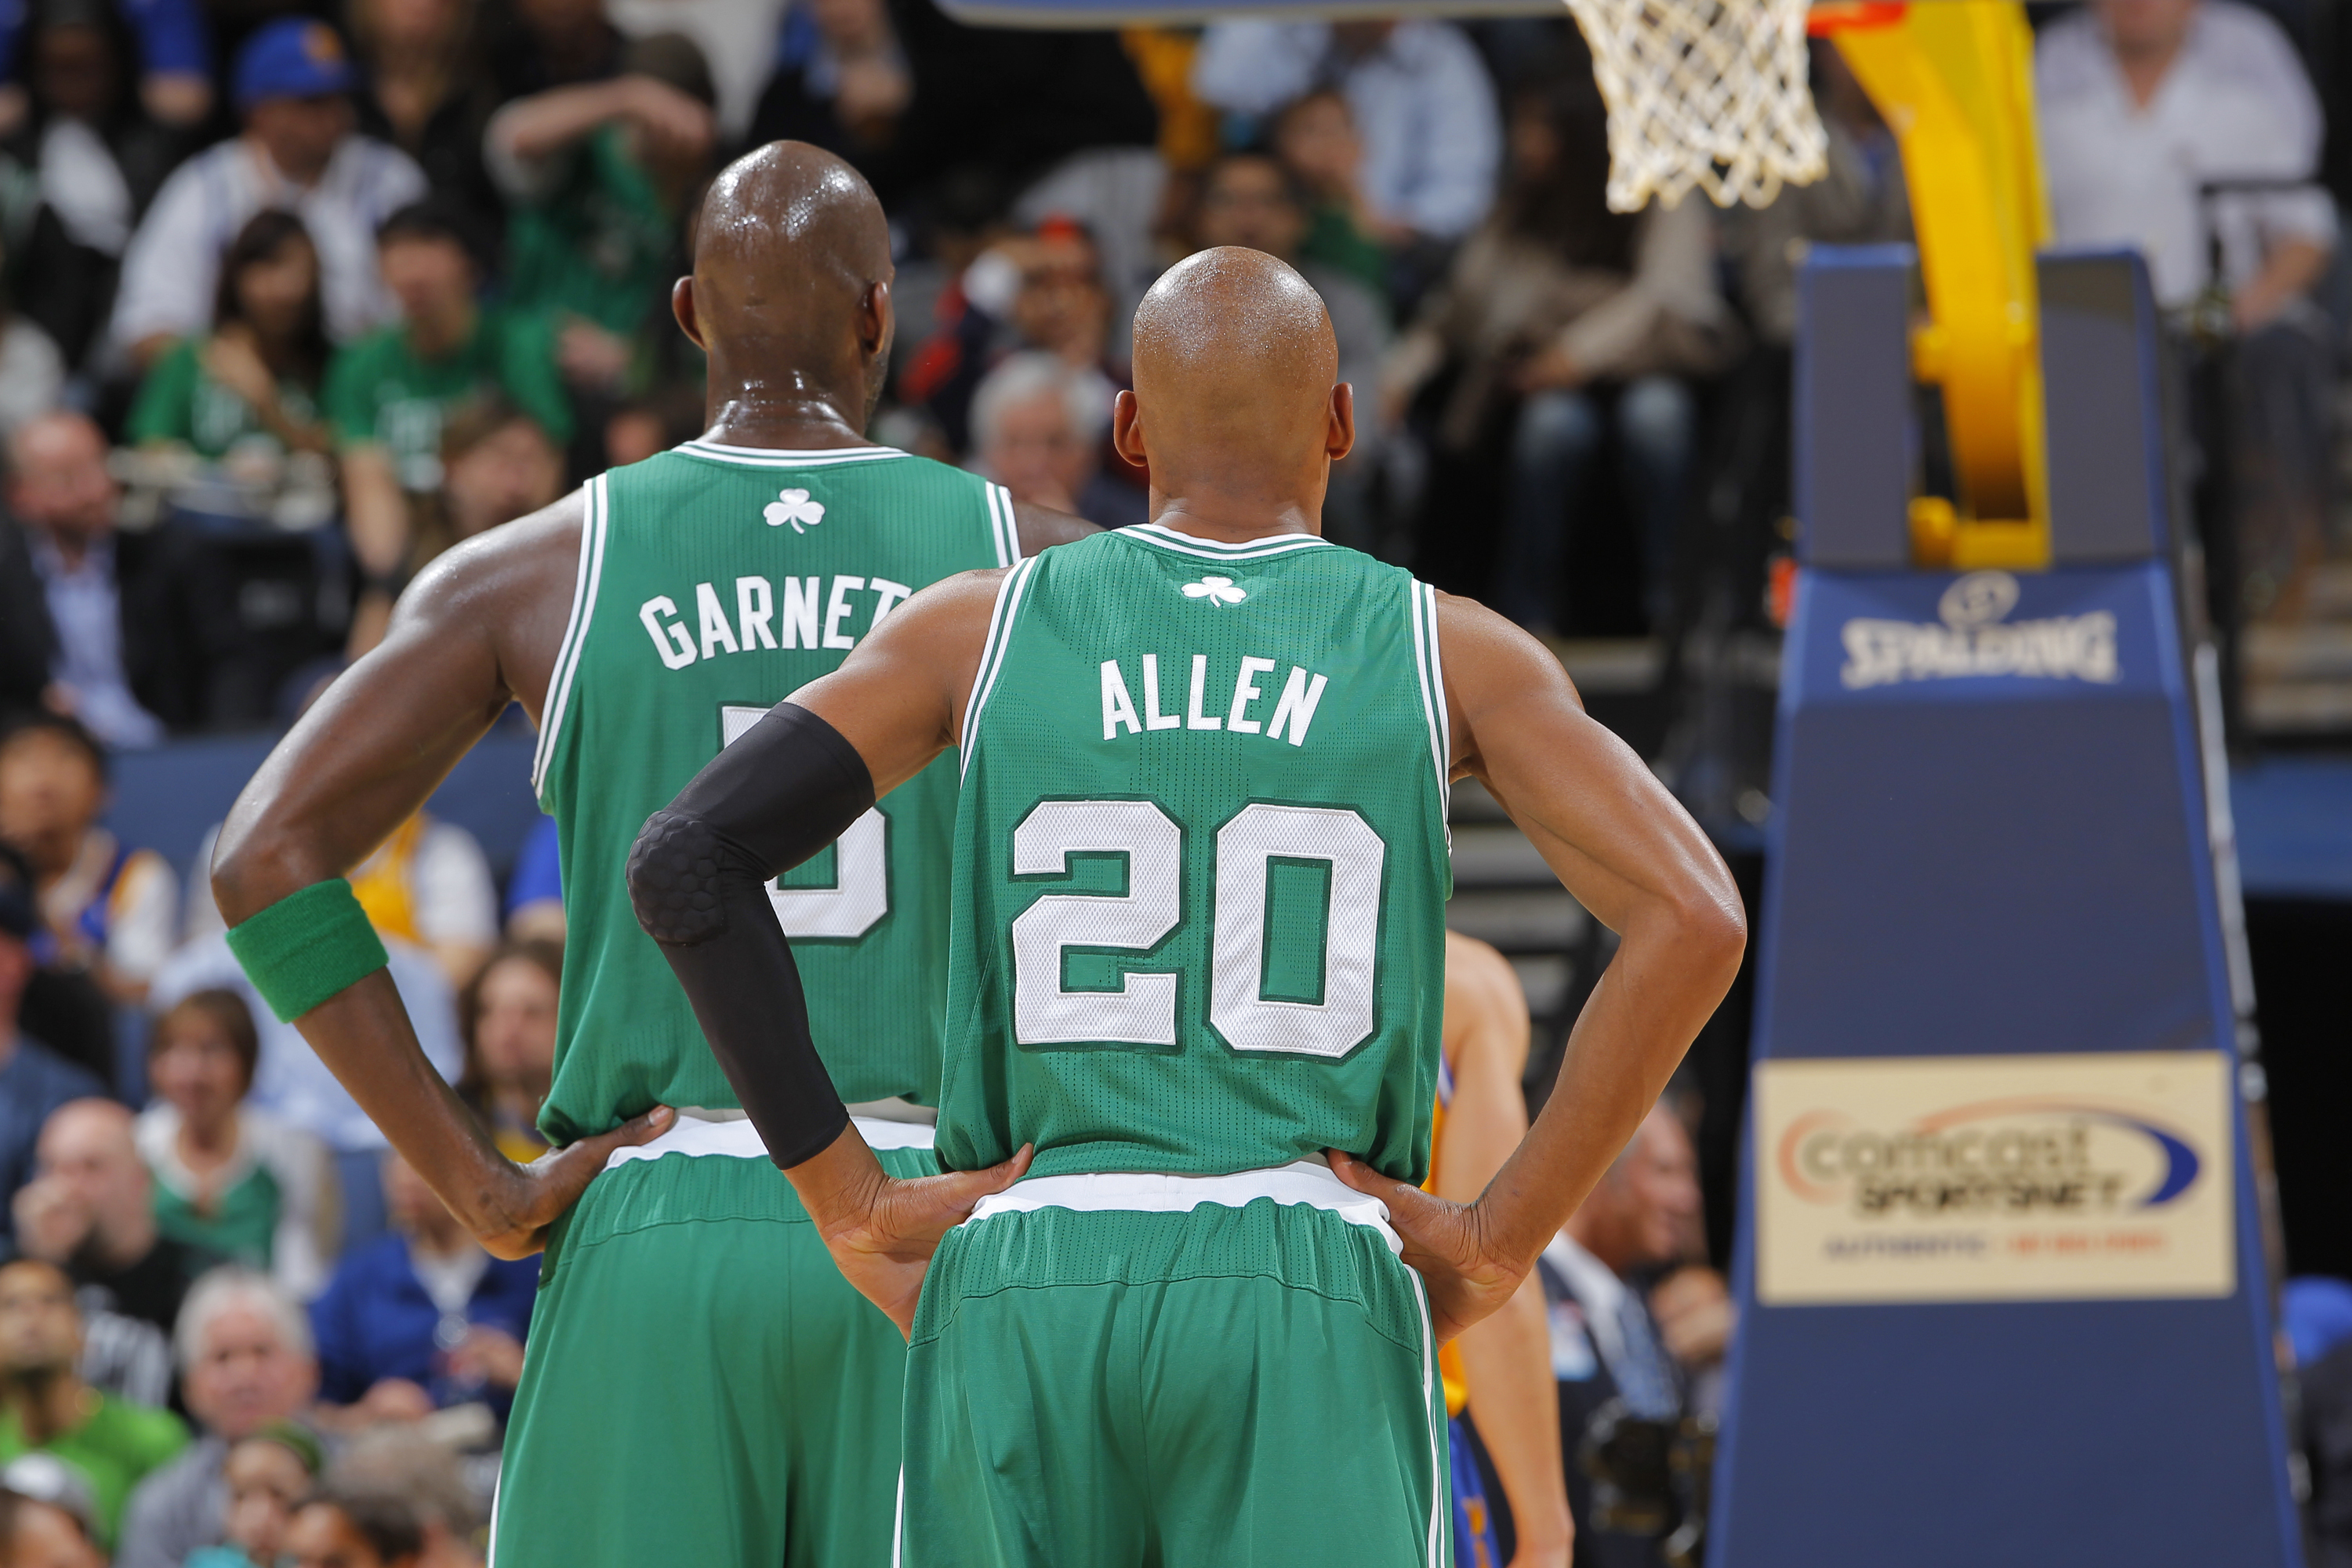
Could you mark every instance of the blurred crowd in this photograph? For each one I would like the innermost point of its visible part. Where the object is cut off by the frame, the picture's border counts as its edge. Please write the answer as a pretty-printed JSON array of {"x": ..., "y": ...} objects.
[
  {"x": 291, "y": 302},
  {"x": 235, "y": 1329},
  {"x": 295, "y": 295}
]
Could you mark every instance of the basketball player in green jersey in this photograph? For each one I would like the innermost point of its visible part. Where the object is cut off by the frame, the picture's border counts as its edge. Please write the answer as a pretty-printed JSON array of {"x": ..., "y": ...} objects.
[
  {"x": 702, "y": 1386},
  {"x": 1195, "y": 1004}
]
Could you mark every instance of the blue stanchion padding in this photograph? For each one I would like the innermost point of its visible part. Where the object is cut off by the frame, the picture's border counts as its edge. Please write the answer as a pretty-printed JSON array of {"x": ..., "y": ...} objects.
[{"x": 1989, "y": 841}]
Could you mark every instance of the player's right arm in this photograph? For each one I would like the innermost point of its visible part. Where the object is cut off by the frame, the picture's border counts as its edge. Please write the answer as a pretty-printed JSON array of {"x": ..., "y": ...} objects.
[
  {"x": 1623, "y": 845},
  {"x": 477, "y": 630},
  {"x": 697, "y": 878}
]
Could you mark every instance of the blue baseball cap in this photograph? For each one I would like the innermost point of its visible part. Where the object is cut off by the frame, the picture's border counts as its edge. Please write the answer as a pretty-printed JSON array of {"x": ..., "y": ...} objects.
[{"x": 292, "y": 57}]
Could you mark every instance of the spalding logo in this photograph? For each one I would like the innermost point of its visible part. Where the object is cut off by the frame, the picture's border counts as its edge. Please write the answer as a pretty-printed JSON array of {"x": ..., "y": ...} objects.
[{"x": 1977, "y": 639}]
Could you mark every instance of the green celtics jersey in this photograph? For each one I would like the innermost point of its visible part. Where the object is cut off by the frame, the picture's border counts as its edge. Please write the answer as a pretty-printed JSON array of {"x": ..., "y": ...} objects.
[
  {"x": 1200, "y": 862},
  {"x": 714, "y": 582}
]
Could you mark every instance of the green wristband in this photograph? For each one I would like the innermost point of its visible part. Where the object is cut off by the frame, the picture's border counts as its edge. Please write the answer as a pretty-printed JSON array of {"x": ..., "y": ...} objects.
[{"x": 307, "y": 947}]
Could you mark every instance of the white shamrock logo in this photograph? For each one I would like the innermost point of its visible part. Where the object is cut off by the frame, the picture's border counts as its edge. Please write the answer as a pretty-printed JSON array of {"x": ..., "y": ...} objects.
[
  {"x": 1216, "y": 590},
  {"x": 795, "y": 507}
]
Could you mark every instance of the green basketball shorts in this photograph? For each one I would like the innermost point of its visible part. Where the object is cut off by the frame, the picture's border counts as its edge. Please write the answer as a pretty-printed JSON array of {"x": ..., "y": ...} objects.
[
  {"x": 701, "y": 1385},
  {"x": 1185, "y": 1372}
]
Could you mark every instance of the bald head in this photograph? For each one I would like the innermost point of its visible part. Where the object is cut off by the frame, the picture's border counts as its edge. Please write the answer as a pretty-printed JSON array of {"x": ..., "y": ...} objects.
[
  {"x": 1235, "y": 363},
  {"x": 789, "y": 247}
]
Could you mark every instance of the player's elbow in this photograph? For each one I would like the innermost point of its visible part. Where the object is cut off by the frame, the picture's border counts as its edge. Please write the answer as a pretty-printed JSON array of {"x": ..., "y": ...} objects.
[
  {"x": 678, "y": 869},
  {"x": 256, "y": 862},
  {"x": 1711, "y": 931}
]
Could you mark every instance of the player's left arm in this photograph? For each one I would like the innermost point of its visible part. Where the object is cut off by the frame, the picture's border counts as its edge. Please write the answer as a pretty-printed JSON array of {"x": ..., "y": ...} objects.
[
  {"x": 1507, "y": 1359},
  {"x": 1623, "y": 845},
  {"x": 697, "y": 878}
]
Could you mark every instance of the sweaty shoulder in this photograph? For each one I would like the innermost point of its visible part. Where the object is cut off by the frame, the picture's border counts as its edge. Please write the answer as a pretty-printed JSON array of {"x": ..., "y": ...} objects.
[{"x": 513, "y": 584}]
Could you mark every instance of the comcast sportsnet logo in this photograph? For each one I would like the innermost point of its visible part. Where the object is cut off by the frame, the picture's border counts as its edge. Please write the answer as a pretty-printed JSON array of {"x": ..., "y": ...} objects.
[{"x": 2029, "y": 1157}]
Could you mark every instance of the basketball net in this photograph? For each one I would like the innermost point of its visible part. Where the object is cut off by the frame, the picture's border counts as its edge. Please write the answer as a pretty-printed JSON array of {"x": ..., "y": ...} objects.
[{"x": 1710, "y": 93}]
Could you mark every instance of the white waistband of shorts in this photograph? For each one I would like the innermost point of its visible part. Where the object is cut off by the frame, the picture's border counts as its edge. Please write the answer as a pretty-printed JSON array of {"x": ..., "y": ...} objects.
[
  {"x": 738, "y": 1139},
  {"x": 1309, "y": 1182}
]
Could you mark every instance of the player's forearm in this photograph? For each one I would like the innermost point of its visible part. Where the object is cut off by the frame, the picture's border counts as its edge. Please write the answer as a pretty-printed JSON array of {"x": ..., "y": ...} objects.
[
  {"x": 1508, "y": 1361},
  {"x": 363, "y": 1035},
  {"x": 698, "y": 880}
]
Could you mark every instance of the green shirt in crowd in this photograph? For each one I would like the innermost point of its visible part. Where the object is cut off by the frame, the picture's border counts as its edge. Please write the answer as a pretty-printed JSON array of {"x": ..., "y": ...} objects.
[
  {"x": 596, "y": 242},
  {"x": 179, "y": 401},
  {"x": 379, "y": 391},
  {"x": 115, "y": 1448},
  {"x": 1333, "y": 240}
]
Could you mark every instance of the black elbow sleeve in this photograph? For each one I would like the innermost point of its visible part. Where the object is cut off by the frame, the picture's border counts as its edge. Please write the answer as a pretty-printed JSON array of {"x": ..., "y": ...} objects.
[{"x": 698, "y": 882}]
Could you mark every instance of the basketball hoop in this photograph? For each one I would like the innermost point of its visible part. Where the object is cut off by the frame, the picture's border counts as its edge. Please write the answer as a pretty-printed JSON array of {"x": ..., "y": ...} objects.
[{"x": 1710, "y": 93}]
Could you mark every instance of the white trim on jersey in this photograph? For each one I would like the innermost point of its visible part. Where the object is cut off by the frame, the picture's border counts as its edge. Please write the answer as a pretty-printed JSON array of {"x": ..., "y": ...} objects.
[
  {"x": 738, "y": 1139},
  {"x": 1429, "y": 1405},
  {"x": 1216, "y": 550},
  {"x": 1307, "y": 1182},
  {"x": 780, "y": 457},
  {"x": 1421, "y": 605},
  {"x": 991, "y": 654},
  {"x": 576, "y": 631},
  {"x": 1000, "y": 524}
]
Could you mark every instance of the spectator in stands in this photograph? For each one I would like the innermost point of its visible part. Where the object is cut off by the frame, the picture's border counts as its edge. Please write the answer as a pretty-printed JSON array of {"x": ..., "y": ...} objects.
[
  {"x": 430, "y": 886},
  {"x": 93, "y": 160},
  {"x": 267, "y": 1476},
  {"x": 256, "y": 378},
  {"x": 1862, "y": 200},
  {"x": 426, "y": 90},
  {"x": 1575, "y": 324},
  {"x": 229, "y": 1179},
  {"x": 497, "y": 465},
  {"x": 245, "y": 1365},
  {"x": 1004, "y": 103},
  {"x": 1041, "y": 292},
  {"x": 34, "y": 1080},
  {"x": 339, "y": 1529},
  {"x": 1605, "y": 1343},
  {"x": 2140, "y": 102},
  {"x": 420, "y": 1319},
  {"x": 508, "y": 1017},
  {"x": 175, "y": 61},
  {"x": 841, "y": 83},
  {"x": 36, "y": 1533},
  {"x": 1316, "y": 138},
  {"x": 32, "y": 368},
  {"x": 1251, "y": 198},
  {"x": 46, "y": 1406},
  {"x": 92, "y": 1211},
  {"x": 115, "y": 625},
  {"x": 1420, "y": 95},
  {"x": 552, "y": 43},
  {"x": 1037, "y": 428},
  {"x": 298, "y": 151},
  {"x": 388, "y": 394},
  {"x": 106, "y": 908},
  {"x": 597, "y": 180},
  {"x": 409, "y": 1463},
  {"x": 435, "y": 876}
]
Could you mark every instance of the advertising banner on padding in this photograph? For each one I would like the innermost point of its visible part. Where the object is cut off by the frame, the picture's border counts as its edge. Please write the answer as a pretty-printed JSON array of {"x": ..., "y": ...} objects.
[{"x": 1998, "y": 1178}]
